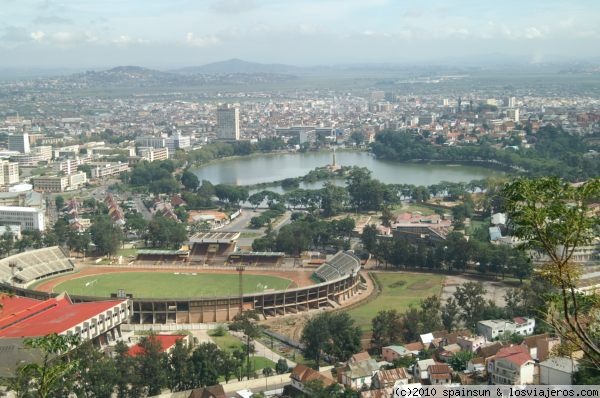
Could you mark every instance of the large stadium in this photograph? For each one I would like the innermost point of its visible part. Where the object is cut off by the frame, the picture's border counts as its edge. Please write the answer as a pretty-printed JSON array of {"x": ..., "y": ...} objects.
[{"x": 212, "y": 282}]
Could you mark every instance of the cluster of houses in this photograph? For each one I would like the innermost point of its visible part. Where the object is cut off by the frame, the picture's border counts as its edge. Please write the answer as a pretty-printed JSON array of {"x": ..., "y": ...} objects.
[{"x": 491, "y": 361}]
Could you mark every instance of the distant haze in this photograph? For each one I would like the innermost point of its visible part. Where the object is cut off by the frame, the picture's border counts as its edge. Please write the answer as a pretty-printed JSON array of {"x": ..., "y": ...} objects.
[{"x": 178, "y": 33}]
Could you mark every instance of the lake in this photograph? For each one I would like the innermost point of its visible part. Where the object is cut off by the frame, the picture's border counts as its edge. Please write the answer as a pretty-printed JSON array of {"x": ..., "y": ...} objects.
[{"x": 256, "y": 169}]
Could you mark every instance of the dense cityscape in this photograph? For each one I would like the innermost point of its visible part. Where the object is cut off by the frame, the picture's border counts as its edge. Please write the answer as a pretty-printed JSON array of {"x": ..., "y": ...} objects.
[{"x": 244, "y": 229}]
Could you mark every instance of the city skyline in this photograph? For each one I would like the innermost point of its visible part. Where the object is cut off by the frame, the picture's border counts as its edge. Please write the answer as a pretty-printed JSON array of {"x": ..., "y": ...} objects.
[{"x": 183, "y": 33}]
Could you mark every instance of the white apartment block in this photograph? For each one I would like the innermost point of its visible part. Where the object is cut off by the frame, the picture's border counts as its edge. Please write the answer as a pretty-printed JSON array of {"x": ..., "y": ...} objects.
[
  {"x": 69, "y": 166},
  {"x": 44, "y": 151},
  {"x": 154, "y": 142},
  {"x": 151, "y": 154},
  {"x": 491, "y": 329},
  {"x": 103, "y": 170},
  {"x": 9, "y": 172},
  {"x": 77, "y": 180},
  {"x": 28, "y": 218},
  {"x": 178, "y": 141}
]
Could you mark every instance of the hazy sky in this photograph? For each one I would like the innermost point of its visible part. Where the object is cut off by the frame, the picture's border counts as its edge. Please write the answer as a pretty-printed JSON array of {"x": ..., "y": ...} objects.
[{"x": 171, "y": 33}]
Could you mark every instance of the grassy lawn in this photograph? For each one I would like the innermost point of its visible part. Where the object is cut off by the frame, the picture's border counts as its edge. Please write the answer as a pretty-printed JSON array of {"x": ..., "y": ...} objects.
[
  {"x": 227, "y": 342},
  {"x": 169, "y": 284},
  {"x": 412, "y": 208},
  {"x": 231, "y": 343},
  {"x": 399, "y": 290},
  {"x": 127, "y": 252}
]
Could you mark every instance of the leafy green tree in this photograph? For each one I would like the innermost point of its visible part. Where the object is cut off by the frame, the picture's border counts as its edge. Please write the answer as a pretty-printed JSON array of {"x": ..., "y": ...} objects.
[
  {"x": 47, "y": 378},
  {"x": 205, "y": 365},
  {"x": 333, "y": 334},
  {"x": 281, "y": 366},
  {"x": 190, "y": 180},
  {"x": 164, "y": 232},
  {"x": 333, "y": 199},
  {"x": 386, "y": 326},
  {"x": 470, "y": 298},
  {"x": 151, "y": 367},
  {"x": 246, "y": 323},
  {"x": 95, "y": 374},
  {"x": 60, "y": 202},
  {"x": 179, "y": 369},
  {"x": 554, "y": 217},
  {"x": 106, "y": 236},
  {"x": 459, "y": 361},
  {"x": 135, "y": 222}
]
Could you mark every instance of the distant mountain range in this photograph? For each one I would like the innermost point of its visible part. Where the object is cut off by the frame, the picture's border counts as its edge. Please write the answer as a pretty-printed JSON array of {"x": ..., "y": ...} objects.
[{"x": 236, "y": 65}]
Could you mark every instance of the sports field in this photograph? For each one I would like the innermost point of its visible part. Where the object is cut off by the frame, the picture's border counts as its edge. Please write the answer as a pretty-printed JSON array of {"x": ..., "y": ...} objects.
[
  {"x": 399, "y": 290},
  {"x": 170, "y": 284}
]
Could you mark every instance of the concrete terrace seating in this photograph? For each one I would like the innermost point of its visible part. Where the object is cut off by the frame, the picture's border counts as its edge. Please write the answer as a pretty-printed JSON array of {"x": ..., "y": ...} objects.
[
  {"x": 342, "y": 264},
  {"x": 34, "y": 264}
]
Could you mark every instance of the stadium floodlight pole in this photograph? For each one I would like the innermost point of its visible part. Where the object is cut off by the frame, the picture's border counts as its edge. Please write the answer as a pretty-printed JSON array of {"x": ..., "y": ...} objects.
[{"x": 240, "y": 269}]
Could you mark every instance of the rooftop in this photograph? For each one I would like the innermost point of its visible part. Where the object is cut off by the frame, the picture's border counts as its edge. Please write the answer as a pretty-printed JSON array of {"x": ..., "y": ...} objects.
[{"x": 24, "y": 317}]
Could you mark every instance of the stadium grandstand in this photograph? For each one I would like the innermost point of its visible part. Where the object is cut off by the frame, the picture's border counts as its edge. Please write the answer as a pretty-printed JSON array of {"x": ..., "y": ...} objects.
[
  {"x": 341, "y": 265},
  {"x": 27, "y": 267},
  {"x": 212, "y": 247},
  {"x": 269, "y": 259}
]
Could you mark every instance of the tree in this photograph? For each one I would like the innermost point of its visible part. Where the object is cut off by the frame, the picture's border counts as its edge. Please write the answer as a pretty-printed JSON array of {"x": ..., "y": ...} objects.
[
  {"x": 106, "y": 236},
  {"x": 179, "y": 370},
  {"x": 553, "y": 217},
  {"x": 205, "y": 363},
  {"x": 386, "y": 326},
  {"x": 164, "y": 232},
  {"x": 460, "y": 360},
  {"x": 246, "y": 323},
  {"x": 471, "y": 301},
  {"x": 47, "y": 378},
  {"x": 60, "y": 202},
  {"x": 95, "y": 373},
  {"x": 333, "y": 199},
  {"x": 126, "y": 373},
  {"x": 332, "y": 334},
  {"x": 281, "y": 366},
  {"x": 190, "y": 180},
  {"x": 150, "y": 363},
  {"x": 267, "y": 371}
]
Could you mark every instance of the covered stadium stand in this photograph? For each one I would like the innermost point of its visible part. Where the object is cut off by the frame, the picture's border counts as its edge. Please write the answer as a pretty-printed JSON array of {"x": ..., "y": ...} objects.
[
  {"x": 24, "y": 268},
  {"x": 262, "y": 259},
  {"x": 212, "y": 247},
  {"x": 340, "y": 265}
]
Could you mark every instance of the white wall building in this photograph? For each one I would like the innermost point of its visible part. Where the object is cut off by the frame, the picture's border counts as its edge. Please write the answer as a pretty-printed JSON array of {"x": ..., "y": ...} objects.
[
  {"x": 27, "y": 217},
  {"x": 9, "y": 172}
]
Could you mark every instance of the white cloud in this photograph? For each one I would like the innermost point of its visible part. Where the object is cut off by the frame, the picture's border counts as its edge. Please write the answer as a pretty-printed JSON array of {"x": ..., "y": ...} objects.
[
  {"x": 201, "y": 41},
  {"x": 533, "y": 33},
  {"x": 37, "y": 36}
]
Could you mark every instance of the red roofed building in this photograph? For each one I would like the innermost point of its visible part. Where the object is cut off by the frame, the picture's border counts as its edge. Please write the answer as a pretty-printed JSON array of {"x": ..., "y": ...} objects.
[
  {"x": 512, "y": 365},
  {"x": 22, "y": 317},
  {"x": 166, "y": 341}
]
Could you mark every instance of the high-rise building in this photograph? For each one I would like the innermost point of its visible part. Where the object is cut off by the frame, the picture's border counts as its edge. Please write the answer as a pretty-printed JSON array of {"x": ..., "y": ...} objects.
[
  {"x": 19, "y": 142},
  {"x": 9, "y": 172},
  {"x": 228, "y": 123}
]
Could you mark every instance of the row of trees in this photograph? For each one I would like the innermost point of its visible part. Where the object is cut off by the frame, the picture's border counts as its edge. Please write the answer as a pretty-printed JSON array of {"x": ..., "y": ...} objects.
[
  {"x": 87, "y": 372},
  {"x": 455, "y": 254},
  {"x": 555, "y": 152},
  {"x": 306, "y": 233}
]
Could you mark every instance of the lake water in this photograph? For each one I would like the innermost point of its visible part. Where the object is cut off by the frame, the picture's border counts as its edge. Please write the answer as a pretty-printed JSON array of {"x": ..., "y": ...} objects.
[{"x": 272, "y": 167}]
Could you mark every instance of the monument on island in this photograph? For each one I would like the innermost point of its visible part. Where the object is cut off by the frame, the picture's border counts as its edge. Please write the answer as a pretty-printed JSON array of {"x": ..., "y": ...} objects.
[{"x": 333, "y": 166}]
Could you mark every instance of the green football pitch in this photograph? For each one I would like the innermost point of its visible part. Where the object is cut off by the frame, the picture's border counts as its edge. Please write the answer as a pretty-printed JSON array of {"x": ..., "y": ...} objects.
[{"x": 170, "y": 284}]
